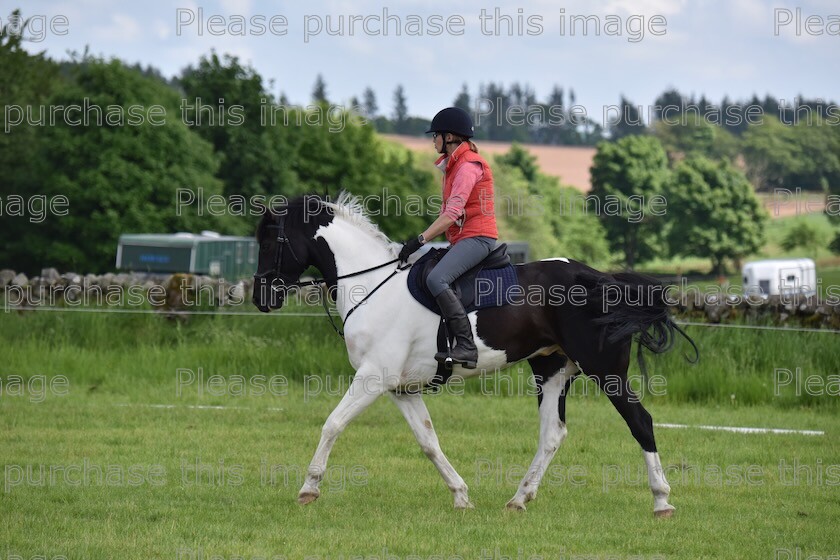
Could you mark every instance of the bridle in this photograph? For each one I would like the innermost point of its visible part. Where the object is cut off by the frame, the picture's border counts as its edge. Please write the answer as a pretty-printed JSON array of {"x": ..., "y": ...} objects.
[{"x": 283, "y": 241}]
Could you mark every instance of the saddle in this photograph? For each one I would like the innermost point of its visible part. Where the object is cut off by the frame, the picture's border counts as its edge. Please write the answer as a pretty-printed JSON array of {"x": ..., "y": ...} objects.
[{"x": 487, "y": 284}]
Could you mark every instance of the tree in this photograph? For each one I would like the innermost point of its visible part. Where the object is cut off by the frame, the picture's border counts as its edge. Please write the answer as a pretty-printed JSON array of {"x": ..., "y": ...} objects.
[
  {"x": 804, "y": 235},
  {"x": 798, "y": 156},
  {"x": 117, "y": 178},
  {"x": 28, "y": 81},
  {"x": 400, "y": 109},
  {"x": 626, "y": 178},
  {"x": 668, "y": 104},
  {"x": 770, "y": 153},
  {"x": 834, "y": 246},
  {"x": 369, "y": 103},
  {"x": 689, "y": 135},
  {"x": 521, "y": 159},
  {"x": 319, "y": 90},
  {"x": 713, "y": 212},
  {"x": 463, "y": 100},
  {"x": 629, "y": 121},
  {"x": 254, "y": 151},
  {"x": 556, "y": 132},
  {"x": 537, "y": 209},
  {"x": 818, "y": 144}
]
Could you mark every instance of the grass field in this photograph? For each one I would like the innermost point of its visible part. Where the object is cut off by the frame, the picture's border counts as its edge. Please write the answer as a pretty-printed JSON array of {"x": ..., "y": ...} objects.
[
  {"x": 196, "y": 483},
  {"x": 200, "y": 486}
]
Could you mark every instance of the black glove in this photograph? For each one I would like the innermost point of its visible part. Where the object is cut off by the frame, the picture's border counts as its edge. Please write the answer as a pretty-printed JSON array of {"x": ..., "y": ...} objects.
[{"x": 409, "y": 248}]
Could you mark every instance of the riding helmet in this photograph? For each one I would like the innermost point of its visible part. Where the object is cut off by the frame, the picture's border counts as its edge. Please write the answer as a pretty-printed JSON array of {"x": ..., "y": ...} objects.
[{"x": 454, "y": 120}]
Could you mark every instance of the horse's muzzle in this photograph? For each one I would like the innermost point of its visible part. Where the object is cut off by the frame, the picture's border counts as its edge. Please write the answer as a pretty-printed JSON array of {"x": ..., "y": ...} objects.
[{"x": 266, "y": 297}]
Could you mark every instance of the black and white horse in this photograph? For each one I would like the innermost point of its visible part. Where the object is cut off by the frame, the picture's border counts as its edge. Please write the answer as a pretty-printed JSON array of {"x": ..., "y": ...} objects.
[{"x": 391, "y": 338}]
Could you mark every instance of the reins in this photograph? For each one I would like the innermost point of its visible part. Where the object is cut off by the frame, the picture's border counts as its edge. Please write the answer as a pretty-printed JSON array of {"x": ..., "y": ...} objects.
[{"x": 319, "y": 281}]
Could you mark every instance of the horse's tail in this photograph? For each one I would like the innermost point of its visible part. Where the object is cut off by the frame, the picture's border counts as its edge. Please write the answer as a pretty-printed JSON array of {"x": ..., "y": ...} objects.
[{"x": 627, "y": 304}]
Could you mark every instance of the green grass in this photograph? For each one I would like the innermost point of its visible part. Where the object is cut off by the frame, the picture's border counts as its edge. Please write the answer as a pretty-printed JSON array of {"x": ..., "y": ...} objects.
[
  {"x": 381, "y": 495},
  {"x": 115, "y": 354}
]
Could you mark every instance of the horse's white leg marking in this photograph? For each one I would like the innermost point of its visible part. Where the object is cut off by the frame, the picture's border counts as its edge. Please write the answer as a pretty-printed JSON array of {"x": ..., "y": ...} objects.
[
  {"x": 552, "y": 434},
  {"x": 417, "y": 416},
  {"x": 361, "y": 393},
  {"x": 658, "y": 485}
]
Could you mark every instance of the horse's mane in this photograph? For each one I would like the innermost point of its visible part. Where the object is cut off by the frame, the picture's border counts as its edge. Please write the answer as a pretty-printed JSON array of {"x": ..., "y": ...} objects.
[{"x": 351, "y": 208}]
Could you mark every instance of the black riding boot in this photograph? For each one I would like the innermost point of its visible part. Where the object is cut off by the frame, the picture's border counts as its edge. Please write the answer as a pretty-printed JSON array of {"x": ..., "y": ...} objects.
[{"x": 464, "y": 351}]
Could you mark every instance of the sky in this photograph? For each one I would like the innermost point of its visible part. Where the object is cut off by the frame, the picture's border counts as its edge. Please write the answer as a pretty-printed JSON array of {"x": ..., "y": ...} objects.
[{"x": 719, "y": 48}]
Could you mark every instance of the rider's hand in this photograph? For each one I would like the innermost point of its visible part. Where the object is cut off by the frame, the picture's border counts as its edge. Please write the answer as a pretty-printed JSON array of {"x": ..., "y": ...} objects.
[{"x": 410, "y": 247}]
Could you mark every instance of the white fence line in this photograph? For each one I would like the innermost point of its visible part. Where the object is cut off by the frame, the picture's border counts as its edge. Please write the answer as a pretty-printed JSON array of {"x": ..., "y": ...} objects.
[
  {"x": 755, "y": 327},
  {"x": 743, "y": 430}
]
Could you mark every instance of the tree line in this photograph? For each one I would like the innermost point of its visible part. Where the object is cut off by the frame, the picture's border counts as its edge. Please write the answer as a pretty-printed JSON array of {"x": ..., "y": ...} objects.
[
  {"x": 792, "y": 144},
  {"x": 126, "y": 179},
  {"x": 122, "y": 179}
]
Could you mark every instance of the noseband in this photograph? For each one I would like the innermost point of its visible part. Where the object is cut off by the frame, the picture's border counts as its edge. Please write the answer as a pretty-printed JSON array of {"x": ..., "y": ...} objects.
[{"x": 282, "y": 242}]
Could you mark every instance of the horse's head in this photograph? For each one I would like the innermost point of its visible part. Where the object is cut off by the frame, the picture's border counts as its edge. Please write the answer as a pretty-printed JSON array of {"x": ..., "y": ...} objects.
[{"x": 286, "y": 250}]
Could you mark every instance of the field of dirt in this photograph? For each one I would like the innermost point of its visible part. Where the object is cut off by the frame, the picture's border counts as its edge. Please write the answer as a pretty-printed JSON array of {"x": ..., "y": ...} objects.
[
  {"x": 782, "y": 206},
  {"x": 570, "y": 164}
]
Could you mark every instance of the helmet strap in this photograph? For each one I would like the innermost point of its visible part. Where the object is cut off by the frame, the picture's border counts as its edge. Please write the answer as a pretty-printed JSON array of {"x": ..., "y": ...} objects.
[
  {"x": 442, "y": 147},
  {"x": 447, "y": 143}
]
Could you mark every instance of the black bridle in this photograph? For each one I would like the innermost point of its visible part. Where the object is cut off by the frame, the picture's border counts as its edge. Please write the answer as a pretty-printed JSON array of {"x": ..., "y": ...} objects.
[{"x": 283, "y": 241}]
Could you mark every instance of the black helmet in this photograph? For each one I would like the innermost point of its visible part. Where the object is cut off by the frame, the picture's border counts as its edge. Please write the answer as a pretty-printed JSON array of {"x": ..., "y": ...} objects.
[{"x": 454, "y": 120}]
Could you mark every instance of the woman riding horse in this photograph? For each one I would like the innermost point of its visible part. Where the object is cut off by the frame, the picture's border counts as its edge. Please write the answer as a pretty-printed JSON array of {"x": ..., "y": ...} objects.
[{"x": 467, "y": 217}]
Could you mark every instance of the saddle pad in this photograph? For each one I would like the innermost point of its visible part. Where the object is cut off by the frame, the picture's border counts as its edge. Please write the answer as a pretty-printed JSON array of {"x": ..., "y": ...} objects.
[{"x": 488, "y": 288}]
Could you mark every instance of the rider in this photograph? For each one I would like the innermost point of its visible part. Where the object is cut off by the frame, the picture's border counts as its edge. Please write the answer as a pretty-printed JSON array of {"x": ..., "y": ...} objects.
[{"x": 468, "y": 218}]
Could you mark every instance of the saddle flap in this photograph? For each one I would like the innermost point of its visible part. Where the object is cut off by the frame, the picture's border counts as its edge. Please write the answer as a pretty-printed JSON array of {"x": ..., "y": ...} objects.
[{"x": 495, "y": 271}]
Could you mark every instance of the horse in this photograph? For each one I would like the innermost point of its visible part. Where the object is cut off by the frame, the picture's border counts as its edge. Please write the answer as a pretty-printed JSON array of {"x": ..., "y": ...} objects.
[{"x": 391, "y": 338}]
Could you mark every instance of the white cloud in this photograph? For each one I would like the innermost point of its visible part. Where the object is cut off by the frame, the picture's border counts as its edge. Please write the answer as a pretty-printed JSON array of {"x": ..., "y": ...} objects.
[
  {"x": 236, "y": 7},
  {"x": 715, "y": 46},
  {"x": 162, "y": 29},
  {"x": 120, "y": 28},
  {"x": 645, "y": 7}
]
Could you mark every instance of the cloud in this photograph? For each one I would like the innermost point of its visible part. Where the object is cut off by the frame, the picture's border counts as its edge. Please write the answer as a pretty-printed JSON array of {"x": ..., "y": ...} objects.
[
  {"x": 162, "y": 29},
  {"x": 236, "y": 7},
  {"x": 120, "y": 28}
]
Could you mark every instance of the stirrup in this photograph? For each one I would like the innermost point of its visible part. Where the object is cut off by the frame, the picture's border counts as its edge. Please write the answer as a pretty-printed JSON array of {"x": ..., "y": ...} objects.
[{"x": 448, "y": 361}]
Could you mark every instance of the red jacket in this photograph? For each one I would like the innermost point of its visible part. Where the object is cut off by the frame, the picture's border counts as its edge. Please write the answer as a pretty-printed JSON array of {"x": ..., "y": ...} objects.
[{"x": 479, "y": 217}]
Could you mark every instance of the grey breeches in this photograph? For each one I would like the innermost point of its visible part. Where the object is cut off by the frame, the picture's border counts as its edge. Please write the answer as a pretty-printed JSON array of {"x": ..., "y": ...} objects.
[{"x": 463, "y": 255}]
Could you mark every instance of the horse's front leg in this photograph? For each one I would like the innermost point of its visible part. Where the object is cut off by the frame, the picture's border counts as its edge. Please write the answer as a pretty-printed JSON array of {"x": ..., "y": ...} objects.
[
  {"x": 364, "y": 389},
  {"x": 417, "y": 416}
]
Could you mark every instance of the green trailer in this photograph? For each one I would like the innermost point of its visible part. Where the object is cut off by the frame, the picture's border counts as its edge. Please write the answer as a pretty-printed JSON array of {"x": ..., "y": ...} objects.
[{"x": 207, "y": 253}]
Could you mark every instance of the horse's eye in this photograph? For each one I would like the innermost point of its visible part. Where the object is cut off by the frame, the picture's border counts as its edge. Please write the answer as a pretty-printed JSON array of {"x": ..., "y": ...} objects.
[{"x": 266, "y": 245}]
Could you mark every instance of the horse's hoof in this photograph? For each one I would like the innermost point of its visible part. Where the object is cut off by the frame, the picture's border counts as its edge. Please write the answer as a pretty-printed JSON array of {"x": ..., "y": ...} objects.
[
  {"x": 464, "y": 505},
  {"x": 515, "y": 506},
  {"x": 307, "y": 497},
  {"x": 665, "y": 513}
]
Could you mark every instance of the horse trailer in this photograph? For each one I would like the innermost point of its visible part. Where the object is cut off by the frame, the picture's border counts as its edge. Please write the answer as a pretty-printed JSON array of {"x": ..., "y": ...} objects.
[
  {"x": 780, "y": 277},
  {"x": 207, "y": 253}
]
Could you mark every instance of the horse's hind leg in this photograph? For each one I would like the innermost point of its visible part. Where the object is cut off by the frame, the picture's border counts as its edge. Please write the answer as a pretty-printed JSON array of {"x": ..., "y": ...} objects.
[
  {"x": 417, "y": 416},
  {"x": 641, "y": 426},
  {"x": 358, "y": 397},
  {"x": 553, "y": 375}
]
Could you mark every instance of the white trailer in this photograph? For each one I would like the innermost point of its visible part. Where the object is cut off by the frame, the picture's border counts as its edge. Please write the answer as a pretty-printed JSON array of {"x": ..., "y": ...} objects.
[{"x": 780, "y": 277}]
